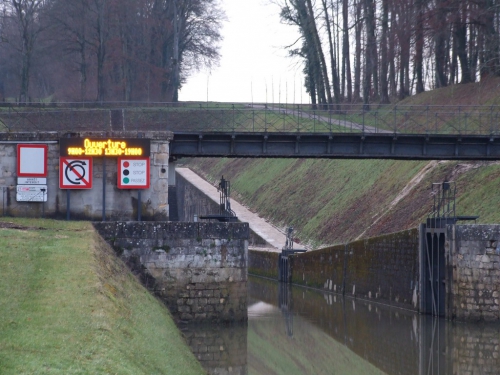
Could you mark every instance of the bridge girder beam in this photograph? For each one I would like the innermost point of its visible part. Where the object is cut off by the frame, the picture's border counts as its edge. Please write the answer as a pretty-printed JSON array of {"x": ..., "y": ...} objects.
[{"x": 335, "y": 146}]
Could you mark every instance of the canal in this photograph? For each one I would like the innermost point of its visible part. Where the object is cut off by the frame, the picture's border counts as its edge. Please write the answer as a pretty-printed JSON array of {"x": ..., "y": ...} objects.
[{"x": 294, "y": 330}]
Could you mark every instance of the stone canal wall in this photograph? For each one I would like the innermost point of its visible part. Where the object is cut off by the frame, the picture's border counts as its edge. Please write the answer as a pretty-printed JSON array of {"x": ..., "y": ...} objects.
[
  {"x": 191, "y": 201},
  {"x": 198, "y": 269},
  {"x": 263, "y": 263},
  {"x": 87, "y": 204},
  {"x": 474, "y": 262},
  {"x": 383, "y": 269}
]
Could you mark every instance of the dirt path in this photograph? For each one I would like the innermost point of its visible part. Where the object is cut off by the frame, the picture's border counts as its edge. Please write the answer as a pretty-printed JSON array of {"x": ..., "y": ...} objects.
[
  {"x": 403, "y": 193},
  {"x": 352, "y": 126}
]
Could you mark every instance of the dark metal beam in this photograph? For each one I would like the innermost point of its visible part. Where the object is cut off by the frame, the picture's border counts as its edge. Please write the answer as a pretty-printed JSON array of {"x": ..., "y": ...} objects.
[{"x": 336, "y": 146}]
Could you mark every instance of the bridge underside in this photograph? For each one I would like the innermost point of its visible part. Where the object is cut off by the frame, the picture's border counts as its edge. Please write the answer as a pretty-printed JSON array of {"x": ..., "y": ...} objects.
[{"x": 335, "y": 146}]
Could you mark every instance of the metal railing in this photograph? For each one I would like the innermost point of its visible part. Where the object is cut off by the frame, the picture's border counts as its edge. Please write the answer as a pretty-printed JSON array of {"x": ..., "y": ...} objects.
[{"x": 241, "y": 117}]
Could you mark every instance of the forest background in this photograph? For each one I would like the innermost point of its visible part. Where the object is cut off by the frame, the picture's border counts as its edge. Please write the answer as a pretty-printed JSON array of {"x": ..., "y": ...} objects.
[{"x": 144, "y": 50}]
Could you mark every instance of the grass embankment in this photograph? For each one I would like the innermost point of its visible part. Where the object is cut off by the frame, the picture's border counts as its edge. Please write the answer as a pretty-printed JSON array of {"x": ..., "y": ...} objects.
[
  {"x": 68, "y": 306},
  {"x": 333, "y": 201}
]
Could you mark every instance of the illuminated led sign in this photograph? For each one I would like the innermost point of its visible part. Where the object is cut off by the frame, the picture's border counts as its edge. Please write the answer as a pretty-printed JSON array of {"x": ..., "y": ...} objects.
[{"x": 106, "y": 147}]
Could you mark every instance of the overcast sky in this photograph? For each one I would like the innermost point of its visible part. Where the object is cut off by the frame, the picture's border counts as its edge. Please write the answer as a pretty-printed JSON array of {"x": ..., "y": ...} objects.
[{"x": 253, "y": 59}]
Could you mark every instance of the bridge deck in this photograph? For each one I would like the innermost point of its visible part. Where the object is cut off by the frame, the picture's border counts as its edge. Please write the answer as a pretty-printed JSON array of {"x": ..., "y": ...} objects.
[{"x": 335, "y": 146}]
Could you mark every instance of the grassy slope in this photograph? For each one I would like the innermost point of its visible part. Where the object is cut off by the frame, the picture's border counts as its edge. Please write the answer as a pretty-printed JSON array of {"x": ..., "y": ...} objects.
[
  {"x": 68, "y": 306},
  {"x": 332, "y": 201}
]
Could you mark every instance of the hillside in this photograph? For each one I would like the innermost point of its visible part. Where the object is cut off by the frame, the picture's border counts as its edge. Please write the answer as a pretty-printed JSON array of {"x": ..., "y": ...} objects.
[
  {"x": 333, "y": 201},
  {"x": 69, "y": 306}
]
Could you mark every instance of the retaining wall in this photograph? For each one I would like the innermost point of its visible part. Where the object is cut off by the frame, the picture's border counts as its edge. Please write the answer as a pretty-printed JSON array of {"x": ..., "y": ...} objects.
[
  {"x": 198, "y": 269},
  {"x": 473, "y": 253},
  {"x": 191, "y": 201},
  {"x": 263, "y": 263},
  {"x": 120, "y": 204},
  {"x": 383, "y": 269}
]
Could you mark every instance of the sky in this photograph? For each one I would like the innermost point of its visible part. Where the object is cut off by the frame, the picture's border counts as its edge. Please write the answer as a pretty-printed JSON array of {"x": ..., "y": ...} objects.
[{"x": 254, "y": 65}]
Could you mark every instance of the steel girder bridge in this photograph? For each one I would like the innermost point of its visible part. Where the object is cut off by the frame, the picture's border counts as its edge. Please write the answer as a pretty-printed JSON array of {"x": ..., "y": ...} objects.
[{"x": 283, "y": 130}]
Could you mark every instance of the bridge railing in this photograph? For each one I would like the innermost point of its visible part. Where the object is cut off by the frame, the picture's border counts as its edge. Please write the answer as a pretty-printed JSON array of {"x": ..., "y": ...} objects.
[{"x": 255, "y": 117}]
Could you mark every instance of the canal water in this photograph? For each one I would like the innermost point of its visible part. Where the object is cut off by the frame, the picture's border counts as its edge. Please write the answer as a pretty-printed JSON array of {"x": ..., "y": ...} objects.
[{"x": 294, "y": 330}]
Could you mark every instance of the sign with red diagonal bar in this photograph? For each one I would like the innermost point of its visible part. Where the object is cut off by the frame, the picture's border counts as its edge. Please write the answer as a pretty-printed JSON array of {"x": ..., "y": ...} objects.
[{"x": 75, "y": 173}]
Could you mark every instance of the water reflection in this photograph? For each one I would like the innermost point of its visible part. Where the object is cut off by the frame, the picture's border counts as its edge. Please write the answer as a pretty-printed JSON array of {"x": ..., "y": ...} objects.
[
  {"x": 221, "y": 349},
  {"x": 293, "y": 330}
]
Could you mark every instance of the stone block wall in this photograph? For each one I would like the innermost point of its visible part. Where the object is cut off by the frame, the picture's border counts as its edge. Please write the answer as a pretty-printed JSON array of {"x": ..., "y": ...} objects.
[
  {"x": 474, "y": 257},
  {"x": 198, "y": 269},
  {"x": 87, "y": 204}
]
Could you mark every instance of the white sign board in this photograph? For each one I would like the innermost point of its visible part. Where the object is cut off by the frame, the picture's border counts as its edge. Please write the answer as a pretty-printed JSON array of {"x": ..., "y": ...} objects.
[
  {"x": 32, "y": 160},
  {"x": 133, "y": 173},
  {"x": 31, "y": 193},
  {"x": 32, "y": 181}
]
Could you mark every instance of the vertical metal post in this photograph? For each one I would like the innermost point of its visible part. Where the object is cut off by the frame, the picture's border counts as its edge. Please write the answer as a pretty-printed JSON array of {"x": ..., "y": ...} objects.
[
  {"x": 395, "y": 118},
  {"x": 233, "y": 120},
  {"x": 43, "y": 203},
  {"x": 265, "y": 118},
  {"x": 364, "y": 120},
  {"x": 104, "y": 188},
  {"x": 68, "y": 204},
  {"x": 427, "y": 120},
  {"x": 298, "y": 119},
  {"x": 3, "y": 201},
  {"x": 139, "y": 205}
]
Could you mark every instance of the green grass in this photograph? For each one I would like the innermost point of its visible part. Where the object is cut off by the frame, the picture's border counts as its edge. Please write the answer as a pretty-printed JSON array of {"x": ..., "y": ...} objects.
[
  {"x": 68, "y": 306},
  {"x": 334, "y": 201}
]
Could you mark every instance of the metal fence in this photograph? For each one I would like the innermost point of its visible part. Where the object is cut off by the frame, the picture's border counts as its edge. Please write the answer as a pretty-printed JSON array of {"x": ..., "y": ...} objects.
[{"x": 239, "y": 117}]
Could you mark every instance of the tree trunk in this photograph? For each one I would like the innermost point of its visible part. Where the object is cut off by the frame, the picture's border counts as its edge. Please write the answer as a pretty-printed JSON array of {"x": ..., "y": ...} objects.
[
  {"x": 357, "y": 61},
  {"x": 346, "y": 59},
  {"x": 419, "y": 47},
  {"x": 335, "y": 76},
  {"x": 384, "y": 85},
  {"x": 319, "y": 50},
  {"x": 440, "y": 52},
  {"x": 101, "y": 48}
]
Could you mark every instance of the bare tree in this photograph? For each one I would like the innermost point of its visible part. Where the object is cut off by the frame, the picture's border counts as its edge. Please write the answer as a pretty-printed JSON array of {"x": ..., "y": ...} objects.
[{"x": 25, "y": 14}]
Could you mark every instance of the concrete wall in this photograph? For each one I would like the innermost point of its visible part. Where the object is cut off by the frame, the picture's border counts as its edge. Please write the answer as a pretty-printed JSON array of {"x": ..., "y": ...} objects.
[
  {"x": 473, "y": 255},
  {"x": 198, "y": 269},
  {"x": 191, "y": 201},
  {"x": 121, "y": 204}
]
